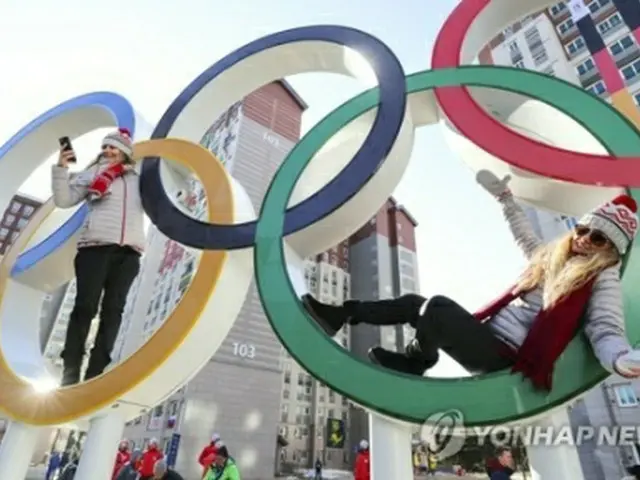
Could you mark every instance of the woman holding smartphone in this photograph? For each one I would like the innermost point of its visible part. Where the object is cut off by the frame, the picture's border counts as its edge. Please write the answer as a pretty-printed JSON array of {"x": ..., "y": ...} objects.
[{"x": 109, "y": 248}]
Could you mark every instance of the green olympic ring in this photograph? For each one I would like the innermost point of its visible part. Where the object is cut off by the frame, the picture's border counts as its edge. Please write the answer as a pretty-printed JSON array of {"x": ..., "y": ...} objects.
[{"x": 484, "y": 400}]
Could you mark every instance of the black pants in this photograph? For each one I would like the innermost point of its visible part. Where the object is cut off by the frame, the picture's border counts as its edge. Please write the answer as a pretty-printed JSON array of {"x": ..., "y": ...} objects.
[
  {"x": 440, "y": 323},
  {"x": 102, "y": 271}
]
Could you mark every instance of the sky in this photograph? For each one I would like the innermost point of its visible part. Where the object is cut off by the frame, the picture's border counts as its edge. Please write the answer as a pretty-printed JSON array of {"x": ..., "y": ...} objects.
[{"x": 149, "y": 51}]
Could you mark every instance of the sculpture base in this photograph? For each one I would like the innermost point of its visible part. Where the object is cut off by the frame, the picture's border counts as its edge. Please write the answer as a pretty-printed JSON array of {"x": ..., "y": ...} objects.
[
  {"x": 390, "y": 444},
  {"x": 16, "y": 450},
  {"x": 554, "y": 462}
]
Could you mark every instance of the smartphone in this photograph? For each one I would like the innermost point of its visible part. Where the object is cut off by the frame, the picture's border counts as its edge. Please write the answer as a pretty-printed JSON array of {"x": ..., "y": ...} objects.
[{"x": 65, "y": 145}]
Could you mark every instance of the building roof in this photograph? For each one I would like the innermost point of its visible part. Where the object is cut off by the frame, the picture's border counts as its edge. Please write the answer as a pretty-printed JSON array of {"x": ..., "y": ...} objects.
[
  {"x": 287, "y": 86},
  {"x": 402, "y": 209}
]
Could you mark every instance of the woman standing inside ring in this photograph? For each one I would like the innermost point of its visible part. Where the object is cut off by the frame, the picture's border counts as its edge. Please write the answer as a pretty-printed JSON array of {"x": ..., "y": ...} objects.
[{"x": 109, "y": 248}]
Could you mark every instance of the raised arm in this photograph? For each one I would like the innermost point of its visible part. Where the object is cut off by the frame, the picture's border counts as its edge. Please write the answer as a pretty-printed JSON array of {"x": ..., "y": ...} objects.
[{"x": 518, "y": 222}]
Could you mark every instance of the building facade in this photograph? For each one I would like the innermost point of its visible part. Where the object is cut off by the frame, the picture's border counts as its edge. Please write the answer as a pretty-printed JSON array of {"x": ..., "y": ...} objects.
[
  {"x": 306, "y": 404},
  {"x": 15, "y": 218},
  {"x": 550, "y": 41},
  {"x": 237, "y": 394},
  {"x": 383, "y": 264}
]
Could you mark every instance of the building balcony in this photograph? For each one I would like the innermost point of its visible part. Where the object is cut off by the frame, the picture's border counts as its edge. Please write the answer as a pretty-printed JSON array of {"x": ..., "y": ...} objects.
[
  {"x": 589, "y": 77},
  {"x": 627, "y": 56}
]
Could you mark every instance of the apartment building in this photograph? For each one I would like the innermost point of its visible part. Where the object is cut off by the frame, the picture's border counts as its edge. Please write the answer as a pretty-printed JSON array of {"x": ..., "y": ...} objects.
[
  {"x": 550, "y": 42},
  {"x": 238, "y": 393}
]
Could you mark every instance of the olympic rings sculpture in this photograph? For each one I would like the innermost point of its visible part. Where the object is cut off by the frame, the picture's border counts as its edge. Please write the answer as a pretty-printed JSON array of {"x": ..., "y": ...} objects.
[{"x": 390, "y": 113}]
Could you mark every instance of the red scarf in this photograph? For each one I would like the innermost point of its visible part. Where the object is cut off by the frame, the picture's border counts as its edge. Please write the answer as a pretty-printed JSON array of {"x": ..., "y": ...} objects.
[
  {"x": 104, "y": 179},
  {"x": 551, "y": 332}
]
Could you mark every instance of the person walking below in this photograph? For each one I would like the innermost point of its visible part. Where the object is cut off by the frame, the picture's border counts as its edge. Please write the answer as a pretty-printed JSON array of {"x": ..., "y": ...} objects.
[
  {"x": 129, "y": 470},
  {"x": 502, "y": 466},
  {"x": 149, "y": 459},
  {"x": 109, "y": 248},
  {"x": 362, "y": 470},
  {"x": 53, "y": 465},
  {"x": 69, "y": 471},
  {"x": 318, "y": 469},
  {"x": 122, "y": 458},
  {"x": 224, "y": 467},
  {"x": 208, "y": 454},
  {"x": 161, "y": 471}
]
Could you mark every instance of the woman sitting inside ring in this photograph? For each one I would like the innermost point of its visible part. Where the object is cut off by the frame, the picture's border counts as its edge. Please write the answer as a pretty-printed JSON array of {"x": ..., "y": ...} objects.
[{"x": 570, "y": 284}]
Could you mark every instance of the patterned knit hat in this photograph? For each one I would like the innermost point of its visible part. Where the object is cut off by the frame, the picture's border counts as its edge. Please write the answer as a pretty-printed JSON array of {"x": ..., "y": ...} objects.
[
  {"x": 121, "y": 140},
  {"x": 617, "y": 219}
]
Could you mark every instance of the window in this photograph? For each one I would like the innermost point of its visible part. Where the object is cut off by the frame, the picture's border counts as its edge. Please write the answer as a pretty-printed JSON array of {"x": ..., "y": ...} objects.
[
  {"x": 631, "y": 71},
  {"x": 597, "y": 88},
  {"x": 626, "y": 396},
  {"x": 15, "y": 207},
  {"x": 533, "y": 38},
  {"x": 597, "y": 5},
  {"x": 9, "y": 219},
  {"x": 28, "y": 211},
  {"x": 574, "y": 46},
  {"x": 636, "y": 97},
  {"x": 22, "y": 223},
  {"x": 514, "y": 51},
  {"x": 610, "y": 22},
  {"x": 586, "y": 66},
  {"x": 625, "y": 43},
  {"x": 5, "y": 231},
  {"x": 557, "y": 8},
  {"x": 540, "y": 57},
  {"x": 565, "y": 26},
  {"x": 519, "y": 64}
]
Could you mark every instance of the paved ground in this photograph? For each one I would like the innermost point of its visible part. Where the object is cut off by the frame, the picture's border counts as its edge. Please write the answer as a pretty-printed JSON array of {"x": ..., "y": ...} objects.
[{"x": 37, "y": 473}]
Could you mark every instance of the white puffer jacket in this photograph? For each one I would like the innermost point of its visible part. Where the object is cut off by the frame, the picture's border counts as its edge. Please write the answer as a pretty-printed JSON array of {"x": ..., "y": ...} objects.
[{"x": 118, "y": 218}]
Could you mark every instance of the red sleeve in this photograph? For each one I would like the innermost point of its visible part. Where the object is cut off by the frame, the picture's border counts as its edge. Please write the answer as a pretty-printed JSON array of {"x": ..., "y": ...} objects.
[
  {"x": 357, "y": 471},
  {"x": 203, "y": 455}
]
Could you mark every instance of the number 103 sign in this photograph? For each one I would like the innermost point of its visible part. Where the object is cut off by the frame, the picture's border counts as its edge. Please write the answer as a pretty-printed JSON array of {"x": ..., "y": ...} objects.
[{"x": 244, "y": 350}]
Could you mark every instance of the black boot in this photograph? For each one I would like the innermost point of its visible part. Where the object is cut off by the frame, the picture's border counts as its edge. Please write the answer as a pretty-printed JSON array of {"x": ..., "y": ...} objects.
[
  {"x": 330, "y": 318},
  {"x": 400, "y": 362},
  {"x": 70, "y": 375},
  {"x": 92, "y": 373},
  {"x": 97, "y": 365}
]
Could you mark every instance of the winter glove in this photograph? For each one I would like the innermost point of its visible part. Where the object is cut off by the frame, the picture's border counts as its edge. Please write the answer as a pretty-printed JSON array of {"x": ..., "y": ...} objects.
[
  {"x": 628, "y": 364},
  {"x": 492, "y": 184}
]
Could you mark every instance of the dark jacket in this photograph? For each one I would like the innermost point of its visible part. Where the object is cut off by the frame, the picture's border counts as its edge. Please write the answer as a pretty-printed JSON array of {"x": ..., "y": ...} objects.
[
  {"x": 69, "y": 471},
  {"x": 503, "y": 474},
  {"x": 128, "y": 472},
  {"x": 172, "y": 475}
]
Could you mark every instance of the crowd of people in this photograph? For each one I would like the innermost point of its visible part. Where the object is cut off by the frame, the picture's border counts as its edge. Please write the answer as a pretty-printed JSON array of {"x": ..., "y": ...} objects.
[{"x": 151, "y": 464}]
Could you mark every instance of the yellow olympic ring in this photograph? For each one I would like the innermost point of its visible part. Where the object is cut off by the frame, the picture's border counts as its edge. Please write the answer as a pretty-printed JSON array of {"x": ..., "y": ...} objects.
[{"x": 17, "y": 397}]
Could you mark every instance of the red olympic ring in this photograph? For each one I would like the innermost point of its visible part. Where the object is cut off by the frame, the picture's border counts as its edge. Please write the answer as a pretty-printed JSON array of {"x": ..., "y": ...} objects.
[{"x": 473, "y": 122}]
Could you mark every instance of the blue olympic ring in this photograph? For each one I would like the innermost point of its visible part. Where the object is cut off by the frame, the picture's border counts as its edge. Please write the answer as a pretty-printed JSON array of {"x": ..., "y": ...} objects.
[
  {"x": 389, "y": 117},
  {"x": 188, "y": 231},
  {"x": 123, "y": 115}
]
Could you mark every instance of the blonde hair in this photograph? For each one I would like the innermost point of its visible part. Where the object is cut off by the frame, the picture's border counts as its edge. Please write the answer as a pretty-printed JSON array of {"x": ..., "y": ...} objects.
[{"x": 559, "y": 273}]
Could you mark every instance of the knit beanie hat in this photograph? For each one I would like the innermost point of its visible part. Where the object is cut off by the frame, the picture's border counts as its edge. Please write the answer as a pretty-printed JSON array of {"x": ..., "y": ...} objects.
[
  {"x": 120, "y": 139},
  {"x": 617, "y": 219}
]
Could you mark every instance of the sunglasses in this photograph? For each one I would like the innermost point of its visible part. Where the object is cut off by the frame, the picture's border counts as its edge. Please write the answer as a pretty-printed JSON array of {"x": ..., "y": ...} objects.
[{"x": 596, "y": 237}]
